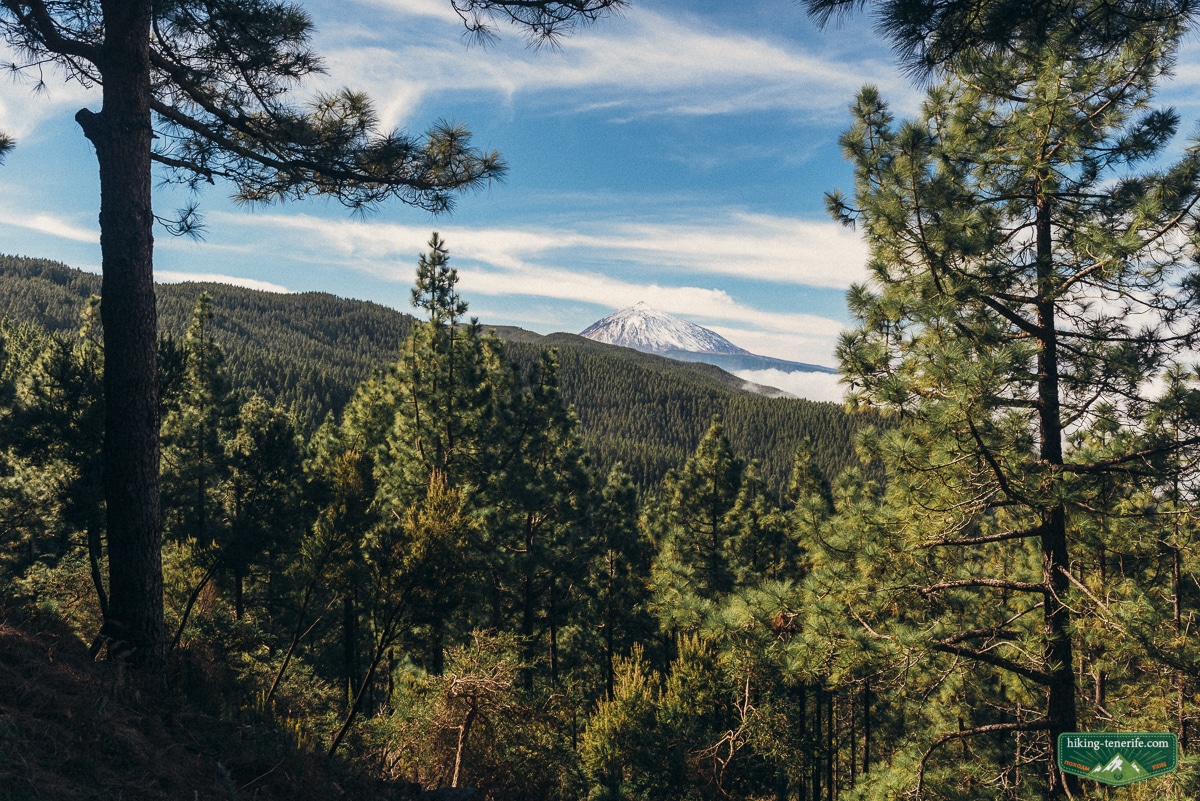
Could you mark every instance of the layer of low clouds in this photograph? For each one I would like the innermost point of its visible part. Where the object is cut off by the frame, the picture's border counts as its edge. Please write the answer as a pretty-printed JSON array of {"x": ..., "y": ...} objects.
[{"x": 814, "y": 386}]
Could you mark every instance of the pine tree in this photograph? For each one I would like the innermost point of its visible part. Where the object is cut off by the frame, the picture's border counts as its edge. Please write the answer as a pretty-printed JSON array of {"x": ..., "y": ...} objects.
[
  {"x": 201, "y": 417},
  {"x": 195, "y": 432},
  {"x": 539, "y": 491},
  {"x": 761, "y": 547},
  {"x": 440, "y": 407},
  {"x": 261, "y": 496},
  {"x": 202, "y": 89},
  {"x": 618, "y": 587},
  {"x": 469, "y": 487},
  {"x": 50, "y": 413},
  {"x": 1026, "y": 280},
  {"x": 698, "y": 501},
  {"x": 932, "y": 36},
  {"x": 444, "y": 400},
  {"x": 624, "y": 750},
  {"x": 57, "y": 425}
]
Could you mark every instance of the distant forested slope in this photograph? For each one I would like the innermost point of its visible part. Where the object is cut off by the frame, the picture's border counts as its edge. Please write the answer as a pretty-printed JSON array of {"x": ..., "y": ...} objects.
[
  {"x": 306, "y": 352},
  {"x": 650, "y": 411},
  {"x": 309, "y": 351}
]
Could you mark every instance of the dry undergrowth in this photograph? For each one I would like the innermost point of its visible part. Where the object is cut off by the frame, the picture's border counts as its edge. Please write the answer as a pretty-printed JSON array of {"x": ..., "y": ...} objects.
[{"x": 75, "y": 729}]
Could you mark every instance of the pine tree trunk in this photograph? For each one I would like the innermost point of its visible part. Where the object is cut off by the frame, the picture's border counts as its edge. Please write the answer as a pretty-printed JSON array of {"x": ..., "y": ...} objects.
[
  {"x": 815, "y": 780},
  {"x": 1060, "y": 664},
  {"x": 121, "y": 134},
  {"x": 552, "y": 612},
  {"x": 296, "y": 635},
  {"x": 239, "y": 600},
  {"x": 852, "y": 740},
  {"x": 866, "y": 702},
  {"x": 437, "y": 645},
  {"x": 830, "y": 751},
  {"x": 609, "y": 678},
  {"x": 527, "y": 605},
  {"x": 1177, "y": 612},
  {"x": 349, "y": 646},
  {"x": 95, "y": 543}
]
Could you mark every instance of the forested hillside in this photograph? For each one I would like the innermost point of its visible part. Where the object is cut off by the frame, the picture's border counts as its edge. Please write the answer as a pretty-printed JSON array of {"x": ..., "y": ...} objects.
[
  {"x": 307, "y": 352},
  {"x": 649, "y": 411}
]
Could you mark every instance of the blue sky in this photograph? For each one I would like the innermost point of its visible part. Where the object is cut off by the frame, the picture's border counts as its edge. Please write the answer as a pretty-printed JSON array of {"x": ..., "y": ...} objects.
[{"x": 676, "y": 154}]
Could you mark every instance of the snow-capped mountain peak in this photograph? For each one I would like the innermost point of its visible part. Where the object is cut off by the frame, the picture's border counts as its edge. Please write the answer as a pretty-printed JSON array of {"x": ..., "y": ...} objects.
[{"x": 649, "y": 330}]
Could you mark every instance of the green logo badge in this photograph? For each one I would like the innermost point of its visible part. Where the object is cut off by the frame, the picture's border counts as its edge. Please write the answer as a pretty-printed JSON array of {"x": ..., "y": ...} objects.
[{"x": 1116, "y": 759}]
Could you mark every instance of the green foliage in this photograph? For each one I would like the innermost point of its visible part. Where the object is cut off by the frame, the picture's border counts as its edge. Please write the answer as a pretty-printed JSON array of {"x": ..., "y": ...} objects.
[
  {"x": 305, "y": 352},
  {"x": 261, "y": 497},
  {"x": 616, "y": 595},
  {"x": 198, "y": 422},
  {"x": 1029, "y": 274},
  {"x": 624, "y": 751},
  {"x": 707, "y": 730},
  {"x": 473, "y": 726},
  {"x": 933, "y": 37},
  {"x": 50, "y": 411},
  {"x": 649, "y": 412},
  {"x": 453, "y": 490}
]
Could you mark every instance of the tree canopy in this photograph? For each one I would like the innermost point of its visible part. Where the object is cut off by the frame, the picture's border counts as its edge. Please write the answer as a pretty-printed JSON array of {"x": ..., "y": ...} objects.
[
  {"x": 1032, "y": 271},
  {"x": 931, "y": 35}
]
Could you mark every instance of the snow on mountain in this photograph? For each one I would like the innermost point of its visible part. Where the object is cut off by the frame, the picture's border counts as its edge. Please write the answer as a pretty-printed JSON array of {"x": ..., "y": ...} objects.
[{"x": 646, "y": 329}]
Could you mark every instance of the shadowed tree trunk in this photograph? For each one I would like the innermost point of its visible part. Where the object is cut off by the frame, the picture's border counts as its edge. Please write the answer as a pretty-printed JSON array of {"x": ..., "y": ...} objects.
[{"x": 121, "y": 134}]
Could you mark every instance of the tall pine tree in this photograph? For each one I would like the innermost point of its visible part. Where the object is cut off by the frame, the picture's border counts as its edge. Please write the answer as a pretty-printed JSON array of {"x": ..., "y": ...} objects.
[
  {"x": 1027, "y": 279},
  {"x": 202, "y": 89}
]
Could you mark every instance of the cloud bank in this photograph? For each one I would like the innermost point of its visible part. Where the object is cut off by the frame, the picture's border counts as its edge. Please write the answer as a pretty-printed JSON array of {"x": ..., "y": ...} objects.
[{"x": 814, "y": 386}]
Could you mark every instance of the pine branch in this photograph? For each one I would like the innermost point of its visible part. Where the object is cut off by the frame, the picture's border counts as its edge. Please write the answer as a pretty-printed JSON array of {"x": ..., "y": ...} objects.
[
  {"x": 991, "y": 728},
  {"x": 1004, "y": 584}
]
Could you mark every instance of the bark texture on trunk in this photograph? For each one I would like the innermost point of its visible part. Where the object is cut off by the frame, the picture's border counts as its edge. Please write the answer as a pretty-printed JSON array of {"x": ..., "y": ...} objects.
[
  {"x": 1059, "y": 657},
  {"x": 121, "y": 134}
]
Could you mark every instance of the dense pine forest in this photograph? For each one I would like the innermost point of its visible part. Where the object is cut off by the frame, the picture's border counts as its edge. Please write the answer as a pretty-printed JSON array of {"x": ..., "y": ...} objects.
[
  {"x": 439, "y": 586},
  {"x": 308, "y": 352},
  {"x": 447, "y": 541}
]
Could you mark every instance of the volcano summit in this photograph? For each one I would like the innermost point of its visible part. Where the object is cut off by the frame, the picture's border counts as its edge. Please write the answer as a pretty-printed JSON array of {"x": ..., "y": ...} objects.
[{"x": 646, "y": 329}]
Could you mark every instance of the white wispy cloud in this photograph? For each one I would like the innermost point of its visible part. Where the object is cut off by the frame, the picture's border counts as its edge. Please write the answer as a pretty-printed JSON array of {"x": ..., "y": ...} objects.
[
  {"x": 757, "y": 247},
  {"x": 754, "y": 246},
  {"x": 641, "y": 63},
  {"x": 55, "y": 225},
  {"x": 173, "y": 277},
  {"x": 515, "y": 263}
]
